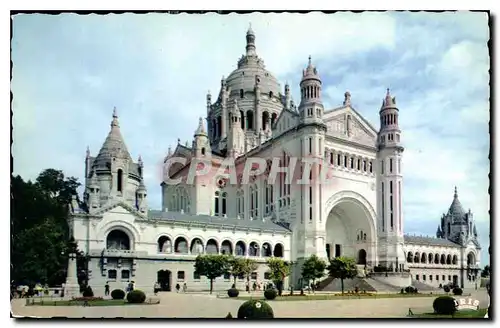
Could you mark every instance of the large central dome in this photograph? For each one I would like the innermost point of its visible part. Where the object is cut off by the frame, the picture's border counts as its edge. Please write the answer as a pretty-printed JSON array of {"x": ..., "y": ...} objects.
[{"x": 249, "y": 67}]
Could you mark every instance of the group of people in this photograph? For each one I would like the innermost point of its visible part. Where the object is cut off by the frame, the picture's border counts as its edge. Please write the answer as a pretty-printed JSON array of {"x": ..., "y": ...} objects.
[
  {"x": 23, "y": 291},
  {"x": 256, "y": 286}
]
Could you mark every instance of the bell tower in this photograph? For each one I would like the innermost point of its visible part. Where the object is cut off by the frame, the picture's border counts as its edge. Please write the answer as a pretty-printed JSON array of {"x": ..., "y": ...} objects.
[{"x": 390, "y": 186}]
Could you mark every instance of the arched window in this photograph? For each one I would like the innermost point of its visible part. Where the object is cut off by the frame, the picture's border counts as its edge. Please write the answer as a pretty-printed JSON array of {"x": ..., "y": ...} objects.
[
  {"x": 203, "y": 151},
  {"x": 219, "y": 126},
  {"x": 240, "y": 248},
  {"x": 226, "y": 248},
  {"x": 216, "y": 203},
  {"x": 224, "y": 202},
  {"x": 242, "y": 119},
  {"x": 249, "y": 120},
  {"x": 254, "y": 249},
  {"x": 278, "y": 250},
  {"x": 118, "y": 240},
  {"x": 119, "y": 181}
]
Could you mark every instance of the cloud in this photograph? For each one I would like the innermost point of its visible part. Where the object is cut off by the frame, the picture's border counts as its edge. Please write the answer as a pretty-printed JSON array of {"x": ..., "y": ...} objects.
[{"x": 71, "y": 70}]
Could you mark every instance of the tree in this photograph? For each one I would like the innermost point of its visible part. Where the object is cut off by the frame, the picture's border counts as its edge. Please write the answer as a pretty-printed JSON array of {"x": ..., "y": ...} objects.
[
  {"x": 313, "y": 268},
  {"x": 486, "y": 271},
  {"x": 343, "y": 268},
  {"x": 278, "y": 271},
  {"x": 39, "y": 230},
  {"x": 236, "y": 267},
  {"x": 248, "y": 266},
  {"x": 212, "y": 266}
]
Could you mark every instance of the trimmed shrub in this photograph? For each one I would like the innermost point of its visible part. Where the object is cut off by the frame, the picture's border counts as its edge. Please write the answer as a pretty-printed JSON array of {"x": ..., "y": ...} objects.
[
  {"x": 416, "y": 291},
  {"x": 410, "y": 289},
  {"x": 270, "y": 294},
  {"x": 88, "y": 292},
  {"x": 233, "y": 292},
  {"x": 446, "y": 288},
  {"x": 254, "y": 309},
  {"x": 402, "y": 291},
  {"x": 117, "y": 294},
  {"x": 136, "y": 296},
  {"x": 444, "y": 305},
  {"x": 457, "y": 291}
]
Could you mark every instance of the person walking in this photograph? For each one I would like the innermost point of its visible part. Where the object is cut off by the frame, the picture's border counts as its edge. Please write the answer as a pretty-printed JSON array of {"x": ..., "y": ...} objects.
[
  {"x": 156, "y": 288},
  {"x": 184, "y": 288},
  {"x": 177, "y": 287},
  {"x": 106, "y": 289}
]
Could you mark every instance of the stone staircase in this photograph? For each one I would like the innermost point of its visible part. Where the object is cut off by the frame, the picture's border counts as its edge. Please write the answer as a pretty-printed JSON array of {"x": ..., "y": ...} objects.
[
  {"x": 381, "y": 286},
  {"x": 422, "y": 286},
  {"x": 334, "y": 285}
]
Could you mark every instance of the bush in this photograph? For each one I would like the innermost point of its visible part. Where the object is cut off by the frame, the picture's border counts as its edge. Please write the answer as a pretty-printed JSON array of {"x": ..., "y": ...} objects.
[
  {"x": 233, "y": 292},
  {"x": 88, "y": 292},
  {"x": 410, "y": 289},
  {"x": 117, "y": 294},
  {"x": 416, "y": 291},
  {"x": 270, "y": 294},
  {"x": 446, "y": 288},
  {"x": 402, "y": 291},
  {"x": 255, "y": 310},
  {"x": 444, "y": 305},
  {"x": 136, "y": 296},
  {"x": 457, "y": 291}
]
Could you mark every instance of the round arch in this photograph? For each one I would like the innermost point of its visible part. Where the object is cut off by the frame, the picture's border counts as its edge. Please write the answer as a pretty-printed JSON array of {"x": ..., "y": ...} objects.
[
  {"x": 346, "y": 213},
  {"x": 131, "y": 230},
  {"x": 227, "y": 246},
  {"x": 212, "y": 246}
]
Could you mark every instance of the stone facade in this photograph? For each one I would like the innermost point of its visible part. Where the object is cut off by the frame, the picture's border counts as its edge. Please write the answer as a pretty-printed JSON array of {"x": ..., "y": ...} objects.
[{"x": 358, "y": 213}]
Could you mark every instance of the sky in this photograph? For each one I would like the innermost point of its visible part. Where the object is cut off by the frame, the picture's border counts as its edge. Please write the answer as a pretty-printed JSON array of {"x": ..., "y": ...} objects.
[{"x": 69, "y": 71}]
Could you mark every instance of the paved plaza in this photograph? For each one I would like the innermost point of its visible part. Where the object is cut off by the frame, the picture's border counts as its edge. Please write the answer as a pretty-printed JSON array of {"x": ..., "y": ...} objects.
[{"x": 175, "y": 305}]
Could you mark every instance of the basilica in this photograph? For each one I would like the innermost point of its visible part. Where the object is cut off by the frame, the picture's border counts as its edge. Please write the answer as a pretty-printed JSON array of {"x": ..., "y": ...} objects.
[{"x": 359, "y": 214}]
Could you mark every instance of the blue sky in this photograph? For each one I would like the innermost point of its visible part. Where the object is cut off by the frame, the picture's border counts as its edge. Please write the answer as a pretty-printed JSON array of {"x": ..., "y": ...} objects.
[{"x": 70, "y": 71}]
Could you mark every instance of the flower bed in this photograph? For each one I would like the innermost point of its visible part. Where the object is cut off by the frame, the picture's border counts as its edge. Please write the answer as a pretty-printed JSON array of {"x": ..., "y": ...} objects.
[{"x": 88, "y": 298}]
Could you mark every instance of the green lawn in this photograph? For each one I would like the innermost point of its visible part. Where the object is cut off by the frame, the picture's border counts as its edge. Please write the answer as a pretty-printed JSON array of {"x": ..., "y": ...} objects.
[
  {"x": 90, "y": 303},
  {"x": 324, "y": 297},
  {"x": 460, "y": 314}
]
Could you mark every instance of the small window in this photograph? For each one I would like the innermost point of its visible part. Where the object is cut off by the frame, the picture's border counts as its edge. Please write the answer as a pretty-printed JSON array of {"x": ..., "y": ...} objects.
[
  {"x": 203, "y": 151},
  {"x": 390, "y": 165},
  {"x": 338, "y": 159},
  {"x": 371, "y": 167},
  {"x": 270, "y": 94},
  {"x": 310, "y": 214},
  {"x": 112, "y": 274},
  {"x": 125, "y": 274},
  {"x": 444, "y": 277},
  {"x": 196, "y": 276},
  {"x": 181, "y": 275},
  {"x": 253, "y": 276},
  {"x": 417, "y": 277},
  {"x": 382, "y": 166},
  {"x": 423, "y": 277},
  {"x": 437, "y": 277},
  {"x": 227, "y": 276},
  {"x": 449, "y": 278},
  {"x": 242, "y": 93},
  {"x": 430, "y": 277},
  {"x": 267, "y": 275}
]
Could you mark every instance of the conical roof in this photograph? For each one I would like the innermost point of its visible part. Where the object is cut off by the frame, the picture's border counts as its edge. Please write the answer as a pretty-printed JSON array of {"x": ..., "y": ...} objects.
[
  {"x": 113, "y": 146},
  {"x": 456, "y": 208}
]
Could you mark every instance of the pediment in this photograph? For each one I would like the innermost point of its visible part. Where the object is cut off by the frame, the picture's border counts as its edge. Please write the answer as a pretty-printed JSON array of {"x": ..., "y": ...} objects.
[
  {"x": 347, "y": 123},
  {"x": 119, "y": 207}
]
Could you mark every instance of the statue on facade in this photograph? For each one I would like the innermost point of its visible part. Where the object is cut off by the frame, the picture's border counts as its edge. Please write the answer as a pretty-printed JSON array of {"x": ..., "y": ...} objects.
[
  {"x": 198, "y": 247},
  {"x": 167, "y": 247}
]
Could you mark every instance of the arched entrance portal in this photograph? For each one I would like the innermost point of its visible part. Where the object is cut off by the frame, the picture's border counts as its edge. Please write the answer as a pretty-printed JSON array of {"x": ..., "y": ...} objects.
[
  {"x": 350, "y": 230},
  {"x": 361, "y": 256},
  {"x": 164, "y": 278}
]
